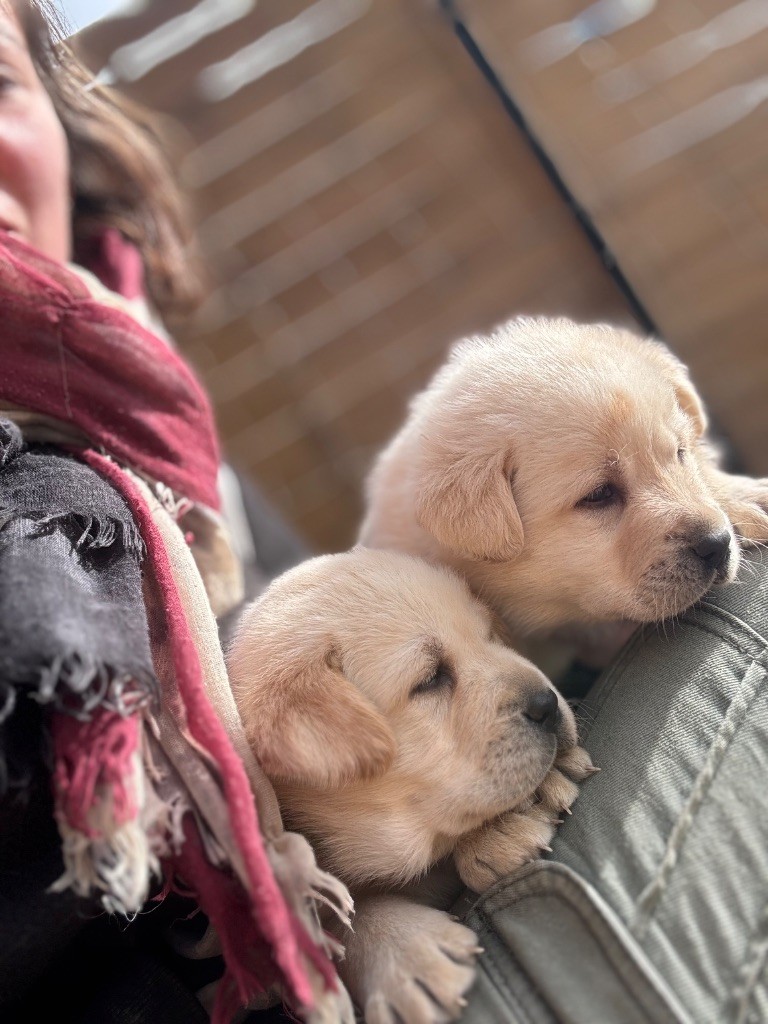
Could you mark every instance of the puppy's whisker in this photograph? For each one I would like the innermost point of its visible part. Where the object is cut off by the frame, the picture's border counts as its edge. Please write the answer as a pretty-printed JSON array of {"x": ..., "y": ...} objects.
[
  {"x": 584, "y": 723},
  {"x": 584, "y": 715},
  {"x": 658, "y": 612}
]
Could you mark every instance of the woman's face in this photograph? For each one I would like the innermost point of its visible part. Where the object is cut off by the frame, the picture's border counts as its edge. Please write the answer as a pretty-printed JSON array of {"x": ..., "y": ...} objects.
[{"x": 34, "y": 159}]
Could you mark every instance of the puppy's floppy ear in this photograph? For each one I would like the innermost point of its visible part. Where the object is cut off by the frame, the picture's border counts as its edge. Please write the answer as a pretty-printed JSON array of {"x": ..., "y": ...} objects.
[
  {"x": 686, "y": 394},
  {"x": 690, "y": 402},
  {"x": 464, "y": 499},
  {"x": 308, "y": 724},
  {"x": 501, "y": 630}
]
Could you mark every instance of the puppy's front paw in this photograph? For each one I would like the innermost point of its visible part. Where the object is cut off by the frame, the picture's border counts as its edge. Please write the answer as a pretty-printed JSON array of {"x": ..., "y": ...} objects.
[
  {"x": 745, "y": 501},
  {"x": 502, "y": 846},
  {"x": 558, "y": 791},
  {"x": 747, "y": 509},
  {"x": 422, "y": 979},
  {"x": 576, "y": 763}
]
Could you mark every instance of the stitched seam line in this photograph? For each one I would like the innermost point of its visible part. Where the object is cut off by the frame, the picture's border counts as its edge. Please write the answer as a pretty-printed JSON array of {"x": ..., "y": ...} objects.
[
  {"x": 733, "y": 643},
  {"x": 629, "y": 978},
  {"x": 732, "y": 620},
  {"x": 749, "y": 974},
  {"x": 614, "y": 676},
  {"x": 648, "y": 900},
  {"x": 495, "y": 971}
]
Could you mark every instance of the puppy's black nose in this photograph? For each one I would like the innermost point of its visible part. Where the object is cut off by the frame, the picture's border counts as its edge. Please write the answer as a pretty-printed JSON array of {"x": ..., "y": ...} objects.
[
  {"x": 542, "y": 710},
  {"x": 713, "y": 549}
]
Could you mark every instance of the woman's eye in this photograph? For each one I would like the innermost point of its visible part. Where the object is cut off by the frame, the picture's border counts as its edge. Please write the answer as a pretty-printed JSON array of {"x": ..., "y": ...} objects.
[
  {"x": 440, "y": 681},
  {"x": 8, "y": 74},
  {"x": 600, "y": 497},
  {"x": 7, "y": 82}
]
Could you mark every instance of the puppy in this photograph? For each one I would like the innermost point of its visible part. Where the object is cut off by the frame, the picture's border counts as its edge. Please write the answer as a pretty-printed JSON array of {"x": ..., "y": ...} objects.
[
  {"x": 564, "y": 471},
  {"x": 398, "y": 733}
]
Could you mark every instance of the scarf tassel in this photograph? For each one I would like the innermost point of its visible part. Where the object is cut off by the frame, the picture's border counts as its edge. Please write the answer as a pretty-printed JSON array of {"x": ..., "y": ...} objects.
[
  {"x": 100, "y": 806},
  {"x": 263, "y": 940}
]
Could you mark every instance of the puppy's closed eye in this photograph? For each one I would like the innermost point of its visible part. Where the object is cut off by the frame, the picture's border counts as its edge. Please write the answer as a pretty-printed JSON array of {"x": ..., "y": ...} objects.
[
  {"x": 441, "y": 681},
  {"x": 604, "y": 496}
]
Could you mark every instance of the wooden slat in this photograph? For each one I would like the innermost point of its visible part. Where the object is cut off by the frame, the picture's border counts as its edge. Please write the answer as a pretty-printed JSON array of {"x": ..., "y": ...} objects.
[
  {"x": 672, "y": 170},
  {"x": 381, "y": 206}
]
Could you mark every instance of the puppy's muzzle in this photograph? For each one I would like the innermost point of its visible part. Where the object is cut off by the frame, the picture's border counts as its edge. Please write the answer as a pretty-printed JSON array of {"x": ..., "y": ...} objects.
[
  {"x": 542, "y": 710},
  {"x": 713, "y": 551}
]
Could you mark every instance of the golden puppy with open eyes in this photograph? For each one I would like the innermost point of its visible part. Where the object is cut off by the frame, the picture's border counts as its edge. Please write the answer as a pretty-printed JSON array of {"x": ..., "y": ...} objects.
[
  {"x": 399, "y": 733},
  {"x": 563, "y": 469}
]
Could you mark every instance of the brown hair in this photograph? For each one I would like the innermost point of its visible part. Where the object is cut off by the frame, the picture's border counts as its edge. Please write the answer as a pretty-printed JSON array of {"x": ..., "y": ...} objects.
[{"x": 120, "y": 176}]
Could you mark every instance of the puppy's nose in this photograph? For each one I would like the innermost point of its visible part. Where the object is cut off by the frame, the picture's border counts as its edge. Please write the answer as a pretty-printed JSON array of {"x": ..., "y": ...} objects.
[
  {"x": 542, "y": 709},
  {"x": 713, "y": 549}
]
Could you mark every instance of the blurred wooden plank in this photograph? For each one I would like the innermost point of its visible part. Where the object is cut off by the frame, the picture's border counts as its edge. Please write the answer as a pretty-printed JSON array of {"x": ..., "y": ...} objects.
[
  {"x": 658, "y": 129},
  {"x": 363, "y": 205}
]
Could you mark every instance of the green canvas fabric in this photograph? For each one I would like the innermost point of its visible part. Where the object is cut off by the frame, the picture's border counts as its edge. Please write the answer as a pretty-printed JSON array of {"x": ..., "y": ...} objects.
[{"x": 654, "y": 903}]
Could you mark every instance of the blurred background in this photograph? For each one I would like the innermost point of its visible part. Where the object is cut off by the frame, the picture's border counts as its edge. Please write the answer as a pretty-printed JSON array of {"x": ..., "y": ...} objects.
[{"x": 376, "y": 178}]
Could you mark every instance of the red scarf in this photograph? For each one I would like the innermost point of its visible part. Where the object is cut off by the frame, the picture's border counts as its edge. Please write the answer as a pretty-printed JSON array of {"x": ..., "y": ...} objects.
[{"x": 92, "y": 366}]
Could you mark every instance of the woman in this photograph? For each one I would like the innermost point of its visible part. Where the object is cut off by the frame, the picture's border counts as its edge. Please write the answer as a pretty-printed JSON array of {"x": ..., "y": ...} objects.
[
  {"x": 113, "y": 560},
  {"x": 654, "y": 908},
  {"x": 102, "y": 168}
]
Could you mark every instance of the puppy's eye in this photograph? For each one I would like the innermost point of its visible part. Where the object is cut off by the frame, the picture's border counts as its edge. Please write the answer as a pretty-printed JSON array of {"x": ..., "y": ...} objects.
[
  {"x": 441, "y": 681},
  {"x": 602, "y": 497},
  {"x": 681, "y": 454}
]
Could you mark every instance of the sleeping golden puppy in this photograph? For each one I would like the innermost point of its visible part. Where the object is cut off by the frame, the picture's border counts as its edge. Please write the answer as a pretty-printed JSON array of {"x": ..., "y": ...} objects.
[
  {"x": 563, "y": 470},
  {"x": 399, "y": 733}
]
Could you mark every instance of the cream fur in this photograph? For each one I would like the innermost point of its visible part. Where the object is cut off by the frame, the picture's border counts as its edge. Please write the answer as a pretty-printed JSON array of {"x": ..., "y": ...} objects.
[
  {"x": 386, "y": 781},
  {"x": 489, "y": 473}
]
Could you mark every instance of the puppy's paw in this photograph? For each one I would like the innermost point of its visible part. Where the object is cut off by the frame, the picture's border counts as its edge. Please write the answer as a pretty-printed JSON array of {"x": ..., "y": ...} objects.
[
  {"x": 747, "y": 510},
  {"x": 576, "y": 764},
  {"x": 556, "y": 793},
  {"x": 422, "y": 979},
  {"x": 502, "y": 846},
  {"x": 745, "y": 501}
]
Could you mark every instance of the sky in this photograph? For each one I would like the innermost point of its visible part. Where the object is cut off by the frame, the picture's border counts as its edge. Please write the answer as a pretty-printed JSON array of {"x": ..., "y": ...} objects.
[{"x": 80, "y": 13}]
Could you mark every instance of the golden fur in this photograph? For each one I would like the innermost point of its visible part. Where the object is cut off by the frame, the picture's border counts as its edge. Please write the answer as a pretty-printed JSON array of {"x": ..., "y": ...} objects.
[
  {"x": 397, "y": 731},
  {"x": 492, "y": 472}
]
